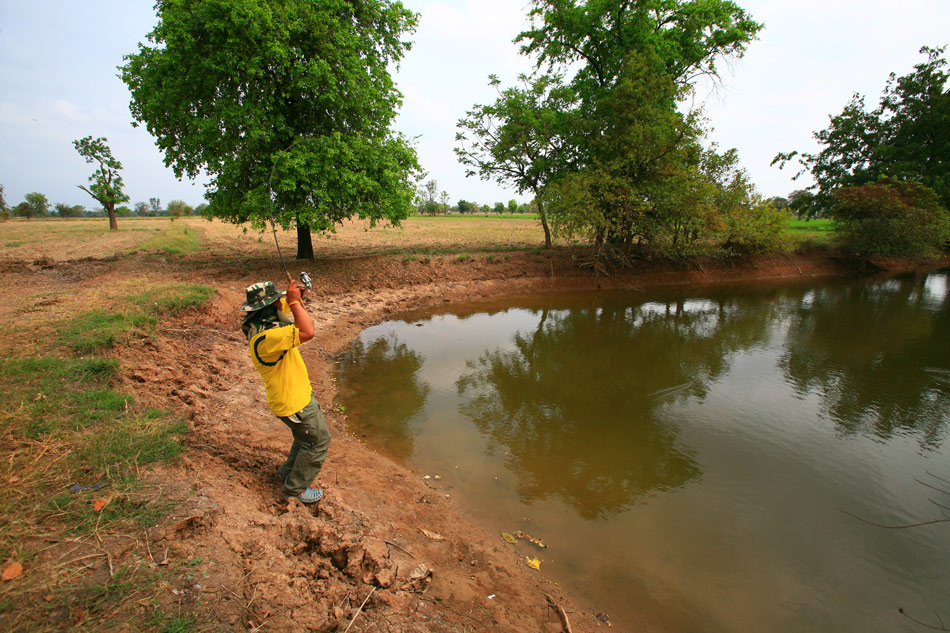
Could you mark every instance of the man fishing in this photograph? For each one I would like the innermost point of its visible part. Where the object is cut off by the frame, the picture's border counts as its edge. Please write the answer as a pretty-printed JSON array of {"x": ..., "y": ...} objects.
[{"x": 273, "y": 338}]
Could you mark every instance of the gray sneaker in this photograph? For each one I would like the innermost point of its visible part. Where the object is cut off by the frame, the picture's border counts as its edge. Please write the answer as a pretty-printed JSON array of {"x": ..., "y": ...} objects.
[{"x": 310, "y": 495}]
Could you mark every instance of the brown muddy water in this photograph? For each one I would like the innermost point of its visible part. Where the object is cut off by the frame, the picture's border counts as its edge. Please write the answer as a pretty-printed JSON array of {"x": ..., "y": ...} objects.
[{"x": 695, "y": 459}]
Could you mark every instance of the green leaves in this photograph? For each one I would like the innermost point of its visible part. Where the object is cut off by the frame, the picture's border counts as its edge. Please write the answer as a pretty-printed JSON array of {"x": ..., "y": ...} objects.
[
  {"x": 240, "y": 89},
  {"x": 106, "y": 181},
  {"x": 907, "y": 136},
  {"x": 595, "y": 133}
]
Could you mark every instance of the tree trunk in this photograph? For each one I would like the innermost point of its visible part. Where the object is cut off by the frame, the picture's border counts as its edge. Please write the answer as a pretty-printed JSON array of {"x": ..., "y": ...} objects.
[
  {"x": 304, "y": 243},
  {"x": 110, "y": 209},
  {"x": 544, "y": 220}
]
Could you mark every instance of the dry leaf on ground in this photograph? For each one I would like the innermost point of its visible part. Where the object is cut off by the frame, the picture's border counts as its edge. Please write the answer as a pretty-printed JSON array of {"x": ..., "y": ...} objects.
[
  {"x": 432, "y": 535},
  {"x": 99, "y": 504},
  {"x": 12, "y": 571}
]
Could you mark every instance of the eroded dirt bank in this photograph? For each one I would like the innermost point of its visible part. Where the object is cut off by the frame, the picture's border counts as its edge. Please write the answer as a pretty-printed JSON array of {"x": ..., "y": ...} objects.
[{"x": 385, "y": 546}]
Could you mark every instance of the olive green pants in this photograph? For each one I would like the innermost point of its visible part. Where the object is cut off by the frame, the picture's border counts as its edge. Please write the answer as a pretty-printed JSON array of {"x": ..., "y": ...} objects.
[{"x": 309, "y": 450}]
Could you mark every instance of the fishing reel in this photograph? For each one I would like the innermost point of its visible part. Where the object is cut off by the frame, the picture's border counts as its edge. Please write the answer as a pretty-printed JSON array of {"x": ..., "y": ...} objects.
[{"x": 305, "y": 280}]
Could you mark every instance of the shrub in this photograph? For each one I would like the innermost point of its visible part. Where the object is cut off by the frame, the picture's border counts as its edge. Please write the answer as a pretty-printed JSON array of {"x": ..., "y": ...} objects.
[
  {"x": 891, "y": 217},
  {"x": 759, "y": 228}
]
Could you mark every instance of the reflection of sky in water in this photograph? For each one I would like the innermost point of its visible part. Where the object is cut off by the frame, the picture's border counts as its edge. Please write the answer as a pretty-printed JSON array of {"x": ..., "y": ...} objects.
[
  {"x": 452, "y": 340},
  {"x": 935, "y": 289}
]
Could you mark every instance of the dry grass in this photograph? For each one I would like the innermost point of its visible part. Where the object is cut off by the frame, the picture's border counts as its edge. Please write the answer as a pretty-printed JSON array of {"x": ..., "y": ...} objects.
[{"x": 71, "y": 239}]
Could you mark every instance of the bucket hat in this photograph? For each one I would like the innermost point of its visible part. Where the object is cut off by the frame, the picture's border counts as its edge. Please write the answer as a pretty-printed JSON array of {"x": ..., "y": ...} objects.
[{"x": 261, "y": 295}]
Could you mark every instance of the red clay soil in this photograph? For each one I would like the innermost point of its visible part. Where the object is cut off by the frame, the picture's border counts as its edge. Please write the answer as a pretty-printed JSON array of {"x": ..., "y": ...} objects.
[{"x": 384, "y": 546}]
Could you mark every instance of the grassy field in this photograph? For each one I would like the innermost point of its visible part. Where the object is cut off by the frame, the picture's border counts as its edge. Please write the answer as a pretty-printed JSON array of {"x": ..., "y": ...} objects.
[
  {"x": 71, "y": 239},
  {"x": 812, "y": 232}
]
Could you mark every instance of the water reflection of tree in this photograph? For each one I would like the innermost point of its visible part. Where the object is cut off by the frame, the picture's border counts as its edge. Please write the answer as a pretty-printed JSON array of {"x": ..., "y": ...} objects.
[
  {"x": 577, "y": 403},
  {"x": 878, "y": 355},
  {"x": 382, "y": 391}
]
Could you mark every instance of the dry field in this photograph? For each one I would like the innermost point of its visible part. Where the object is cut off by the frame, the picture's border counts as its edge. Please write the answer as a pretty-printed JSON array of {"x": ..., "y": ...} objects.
[{"x": 72, "y": 239}]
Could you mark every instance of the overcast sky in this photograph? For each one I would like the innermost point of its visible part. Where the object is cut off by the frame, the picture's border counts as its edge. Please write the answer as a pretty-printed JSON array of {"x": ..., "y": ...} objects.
[{"x": 58, "y": 82}]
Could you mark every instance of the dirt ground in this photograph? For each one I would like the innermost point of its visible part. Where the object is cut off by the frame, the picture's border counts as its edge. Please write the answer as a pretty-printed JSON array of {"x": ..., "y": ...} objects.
[{"x": 386, "y": 550}]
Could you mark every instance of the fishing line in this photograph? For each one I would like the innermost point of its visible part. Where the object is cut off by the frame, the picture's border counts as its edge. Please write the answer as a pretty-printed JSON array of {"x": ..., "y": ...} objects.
[{"x": 273, "y": 223}]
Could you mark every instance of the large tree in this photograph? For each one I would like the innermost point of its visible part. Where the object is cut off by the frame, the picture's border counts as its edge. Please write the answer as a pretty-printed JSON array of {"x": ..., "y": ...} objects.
[
  {"x": 906, "y": 137},
  {"x": 566, "y": 132},
  {"x": 106, "y": 181},
  {"x": 519, "y": 140},
  {"x": 289, "y": 98}
]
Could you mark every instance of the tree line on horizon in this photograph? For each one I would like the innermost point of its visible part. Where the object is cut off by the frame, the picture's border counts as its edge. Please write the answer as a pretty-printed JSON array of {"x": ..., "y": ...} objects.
[
  {"x": 37, "y": 205},
  {"x": 288, "y": 108}
]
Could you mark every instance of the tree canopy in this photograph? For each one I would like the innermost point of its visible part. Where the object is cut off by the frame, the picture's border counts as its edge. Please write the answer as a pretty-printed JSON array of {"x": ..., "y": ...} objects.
[
  {"x": 906, "y": 137},
  {"x": 34, "y": 204},
  {"x": 106, "y": 181},
  {"x": 596, "y": 132},
  {"x": 292, "y": 97}
]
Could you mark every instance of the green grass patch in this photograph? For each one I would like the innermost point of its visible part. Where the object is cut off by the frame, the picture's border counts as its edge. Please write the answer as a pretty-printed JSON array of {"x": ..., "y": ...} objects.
[
  {"x": 99, "y": 329},
  {"x": 176, "y": 239},
  {"x": 64, "y": 425},
  {"x": 172, "y": 298},
  {"x": 463, "y": 258},
  {"x": 811, "y": 233}
]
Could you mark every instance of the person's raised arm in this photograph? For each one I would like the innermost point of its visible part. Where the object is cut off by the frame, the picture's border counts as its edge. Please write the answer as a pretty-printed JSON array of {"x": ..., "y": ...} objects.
[{"x": 301, "y": 319}]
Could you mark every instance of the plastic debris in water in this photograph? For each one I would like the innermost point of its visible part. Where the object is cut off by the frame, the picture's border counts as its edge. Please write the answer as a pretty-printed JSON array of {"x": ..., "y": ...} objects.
[{"x": 528, "y": 537}]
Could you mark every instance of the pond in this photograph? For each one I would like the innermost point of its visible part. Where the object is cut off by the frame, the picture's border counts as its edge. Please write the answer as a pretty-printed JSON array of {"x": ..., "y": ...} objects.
[{"x": 696, "y": 459}]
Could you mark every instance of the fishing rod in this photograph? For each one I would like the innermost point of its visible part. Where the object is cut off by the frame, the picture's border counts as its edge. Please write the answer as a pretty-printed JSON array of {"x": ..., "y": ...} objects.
[{"x": 304, "y": 277}]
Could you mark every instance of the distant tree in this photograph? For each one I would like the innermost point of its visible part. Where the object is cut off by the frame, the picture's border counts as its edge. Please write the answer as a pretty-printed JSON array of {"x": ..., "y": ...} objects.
[
  {"x": 69, "y": 211},
  {"x": 512, "y": 206},
  {"x": 499, "y": 207},
  {"x": 804, "y": 205},
  {"x": 38, "y": 205},
  {"x": 178, "y": 208},
  {"x": 202, "y": 210},
  {"x": 467, "y": 207},
  {"x": 123, "y": 211},
  {"x": 444, "y": 202},
  {"x": 23, "y": 210},
  {"x": 106, "y": 181},
  {"x": 155, "y": 204},
  {"x": 427, "y": 198},
  {"x": 778, "y": 202},
  {"x": 142, "y": 208},
  {"x": 486, "y": 209},
  {"x": 906, "y": 137},
  {"x": 4, "y": 209},
  {"x": 286, "y": 97}
]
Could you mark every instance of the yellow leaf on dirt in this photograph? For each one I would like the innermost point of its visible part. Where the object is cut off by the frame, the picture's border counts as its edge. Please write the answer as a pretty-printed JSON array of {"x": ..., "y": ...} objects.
[
  {"x": 509, "y": 537},
  {"x": 533, "y": 563},
  {"x": 12, "y": 571},
  {"x": 99, "y": 504}
]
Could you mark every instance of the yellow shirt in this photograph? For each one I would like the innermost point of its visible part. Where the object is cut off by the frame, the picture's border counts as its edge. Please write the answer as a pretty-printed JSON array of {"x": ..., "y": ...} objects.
[{"x": 275, "y": 355}]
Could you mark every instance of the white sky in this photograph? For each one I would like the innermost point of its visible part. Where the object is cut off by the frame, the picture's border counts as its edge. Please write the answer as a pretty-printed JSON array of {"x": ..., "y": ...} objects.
[{"x": 58, "y": 82}]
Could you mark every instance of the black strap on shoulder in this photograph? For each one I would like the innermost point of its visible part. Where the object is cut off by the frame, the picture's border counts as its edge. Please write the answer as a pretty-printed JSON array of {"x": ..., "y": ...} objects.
[{"x": 261, "y": 360}]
